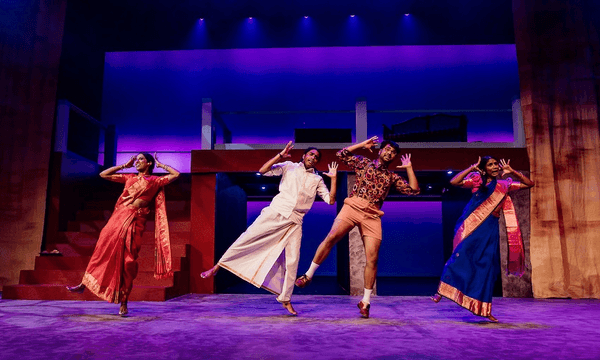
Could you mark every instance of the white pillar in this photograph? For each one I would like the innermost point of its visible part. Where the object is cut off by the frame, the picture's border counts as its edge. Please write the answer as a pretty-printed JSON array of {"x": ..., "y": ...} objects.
[
  {"x": 361, "y": 119},
  {"x": 207, "y": 128}
]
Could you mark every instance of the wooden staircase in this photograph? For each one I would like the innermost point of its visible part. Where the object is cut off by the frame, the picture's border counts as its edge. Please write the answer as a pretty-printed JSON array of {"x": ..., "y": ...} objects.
[{"x": 52, "y": 274}]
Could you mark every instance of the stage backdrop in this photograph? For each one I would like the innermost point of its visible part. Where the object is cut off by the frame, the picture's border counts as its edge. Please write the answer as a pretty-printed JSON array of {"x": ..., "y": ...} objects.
[
  {"x": 155, "y": 98},
  {"x": 559, "y": 64}
]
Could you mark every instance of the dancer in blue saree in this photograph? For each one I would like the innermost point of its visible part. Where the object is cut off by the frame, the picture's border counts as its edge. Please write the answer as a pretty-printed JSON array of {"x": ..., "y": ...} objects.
[{"x": 469, "y": 275}]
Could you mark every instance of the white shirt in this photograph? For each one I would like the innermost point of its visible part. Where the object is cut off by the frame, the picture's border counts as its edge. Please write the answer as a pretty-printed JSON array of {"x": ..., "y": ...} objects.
[{"x": 297, "y": 188}]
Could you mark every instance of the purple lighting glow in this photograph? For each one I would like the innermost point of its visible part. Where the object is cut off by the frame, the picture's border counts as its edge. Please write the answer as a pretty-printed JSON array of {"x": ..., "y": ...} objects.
[
  {"x": 406, "y": 14},
  {"x": 352, "y": 15}
]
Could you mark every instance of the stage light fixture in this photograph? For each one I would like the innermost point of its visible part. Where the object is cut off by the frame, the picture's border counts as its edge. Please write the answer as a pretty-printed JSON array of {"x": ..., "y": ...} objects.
[
  {"x": 263, "y": 187},
  {"x": 306, "y": 16},
  {"x": 449, "y": 172},
  {"x": 406, "y": 14},
  {"x": 352, "y": 16}
]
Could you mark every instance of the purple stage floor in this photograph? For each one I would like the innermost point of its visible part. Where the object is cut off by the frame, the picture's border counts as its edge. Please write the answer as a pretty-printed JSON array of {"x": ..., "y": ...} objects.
[{"x": 328, "y": 327}]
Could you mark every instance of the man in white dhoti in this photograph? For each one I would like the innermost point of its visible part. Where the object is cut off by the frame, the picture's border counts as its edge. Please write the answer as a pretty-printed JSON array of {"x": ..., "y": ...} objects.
[{"x": 267, "y": 253}]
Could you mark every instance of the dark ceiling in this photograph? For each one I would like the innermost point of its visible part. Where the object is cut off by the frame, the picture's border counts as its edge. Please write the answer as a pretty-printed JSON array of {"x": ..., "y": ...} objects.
[{"x": 95, "y": 27}]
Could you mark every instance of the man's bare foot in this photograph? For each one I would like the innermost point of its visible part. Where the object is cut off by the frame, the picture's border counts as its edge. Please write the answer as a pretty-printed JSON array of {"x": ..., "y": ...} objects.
[
  {"x": 123, "y": 311},
  {"x": 76, "y": 289},
  {"x": 210, "y": 273},
  {"x": 288, "y": 306}
]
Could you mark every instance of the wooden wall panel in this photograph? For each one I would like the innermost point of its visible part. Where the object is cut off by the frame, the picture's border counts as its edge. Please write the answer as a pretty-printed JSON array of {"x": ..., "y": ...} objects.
[{"x": 29, "y": 58}]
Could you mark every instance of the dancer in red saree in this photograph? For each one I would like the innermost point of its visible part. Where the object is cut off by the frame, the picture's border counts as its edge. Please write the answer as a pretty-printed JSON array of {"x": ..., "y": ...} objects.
[{"x": 113, "y": 266}]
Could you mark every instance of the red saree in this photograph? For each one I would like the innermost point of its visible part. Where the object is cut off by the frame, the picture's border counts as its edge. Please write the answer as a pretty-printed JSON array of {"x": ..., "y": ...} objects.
[{"x": 113, "y": 266}]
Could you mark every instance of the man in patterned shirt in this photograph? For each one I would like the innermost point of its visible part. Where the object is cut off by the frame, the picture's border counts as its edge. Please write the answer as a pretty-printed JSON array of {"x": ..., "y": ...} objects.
[{"x": 362, "y": 208}]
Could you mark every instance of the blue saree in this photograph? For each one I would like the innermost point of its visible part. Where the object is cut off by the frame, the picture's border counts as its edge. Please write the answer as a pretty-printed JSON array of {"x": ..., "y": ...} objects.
[{"x": 469, "y": 275}]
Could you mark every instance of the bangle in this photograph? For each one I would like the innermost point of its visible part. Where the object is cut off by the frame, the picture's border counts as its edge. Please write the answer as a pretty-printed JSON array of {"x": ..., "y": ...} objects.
[
  {"x": 122, "y": 166},
  {"x": 279, "y": 154}
]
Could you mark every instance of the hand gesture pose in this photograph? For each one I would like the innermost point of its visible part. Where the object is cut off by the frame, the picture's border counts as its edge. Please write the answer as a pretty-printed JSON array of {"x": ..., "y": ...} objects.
[
  {"x": 130, "y": 162},
  {"x": 405, "y": 162},
  {"x": 506, "y": 168},
  {"x": 158, "y": 163},
  {"x": 332, "y": 170},
  {"x": 285, "y": 153},
  {"x": 475, "y": 167},
  {"x": 370, "y": 143}
]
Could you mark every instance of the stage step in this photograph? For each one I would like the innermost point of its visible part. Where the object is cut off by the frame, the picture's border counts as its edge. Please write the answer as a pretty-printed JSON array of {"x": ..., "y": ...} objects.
[
  {"x": 52, "y": 273},
  {"x": 102, "y": 209},
  {"x": 95, "y": 226},
  {"x": 80, "y": 263},
  {"x": 78, "y": 238},
  {"x": 147, "y": 250},
  {"x": 59, "y": 292},
  {"x": 73, "y": 277}
]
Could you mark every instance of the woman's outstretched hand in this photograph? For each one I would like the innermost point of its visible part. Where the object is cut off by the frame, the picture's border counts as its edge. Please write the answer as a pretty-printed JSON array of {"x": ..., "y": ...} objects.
[
  {"x": 475, "y": 167},
  {"x": 506, "y": 168}
]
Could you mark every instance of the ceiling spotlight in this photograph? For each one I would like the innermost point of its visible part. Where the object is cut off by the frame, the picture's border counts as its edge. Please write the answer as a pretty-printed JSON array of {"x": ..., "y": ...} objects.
[
  {"x": 250, "y": 18},
  {"x": 306, "y": 16},
  {"x": 352, "y": 15},
  {"x": 449, "y": 172},
  {"x": 406, "y": 14},
  {"x": 263, "y": 187}
]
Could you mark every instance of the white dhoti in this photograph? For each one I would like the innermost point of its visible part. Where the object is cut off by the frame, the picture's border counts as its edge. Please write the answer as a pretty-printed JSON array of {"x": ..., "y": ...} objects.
[{"x": 267, "y": 253}]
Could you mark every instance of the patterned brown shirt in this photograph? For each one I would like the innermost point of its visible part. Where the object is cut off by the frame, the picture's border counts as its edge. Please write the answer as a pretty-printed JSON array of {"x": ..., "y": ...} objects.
[{"x": 373, "y": 180}]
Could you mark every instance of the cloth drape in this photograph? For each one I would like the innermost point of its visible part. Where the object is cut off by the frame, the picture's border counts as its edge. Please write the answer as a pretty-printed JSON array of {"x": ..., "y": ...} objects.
[{"x": 558, "y": 73}]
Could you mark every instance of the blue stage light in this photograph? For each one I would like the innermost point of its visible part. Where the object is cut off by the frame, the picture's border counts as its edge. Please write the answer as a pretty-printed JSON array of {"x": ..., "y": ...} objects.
[
  {"x": 449, "y": 172},
  {"x": 406, "y": 14},
  {"x": 352, "y": 15},
  {"x": 306, "y": 16},
  {"x": 263, "y": 187}
]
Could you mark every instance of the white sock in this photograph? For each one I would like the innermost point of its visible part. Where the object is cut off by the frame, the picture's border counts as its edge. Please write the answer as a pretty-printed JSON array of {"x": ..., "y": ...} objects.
[
  {"x": 311, "y": 271},
  {"x": 367, "y": 296}
]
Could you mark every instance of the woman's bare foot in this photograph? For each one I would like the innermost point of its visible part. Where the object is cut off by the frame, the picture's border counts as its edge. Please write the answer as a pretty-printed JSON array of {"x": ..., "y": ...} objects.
[
  {"x": 123, "y": 311},
  {"x": 288, "y": 306},
  {"x": 76, "y": 289},
  {"x": 436, "y": 298},
  {"x": 210, "y": 273},
  {"x": 492, "y": 318}
]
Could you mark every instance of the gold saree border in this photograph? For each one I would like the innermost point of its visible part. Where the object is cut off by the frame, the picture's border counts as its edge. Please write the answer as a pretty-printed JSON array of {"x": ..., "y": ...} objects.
[
  {"x": 481, "y": 213},
  {"x": 475, "y": 306},
  {"x": 92, "y": 285}
]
